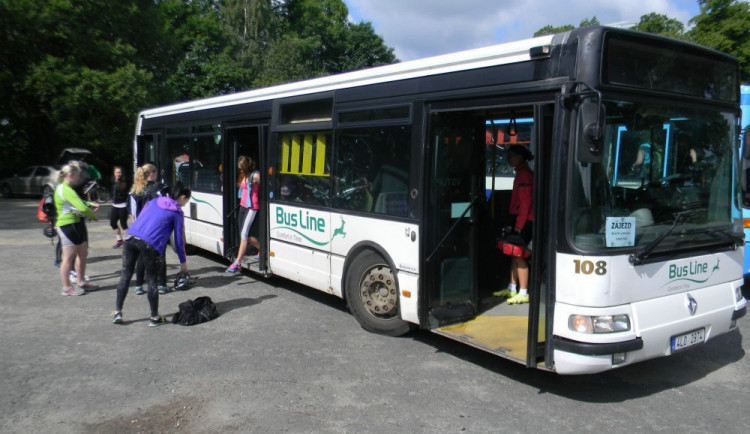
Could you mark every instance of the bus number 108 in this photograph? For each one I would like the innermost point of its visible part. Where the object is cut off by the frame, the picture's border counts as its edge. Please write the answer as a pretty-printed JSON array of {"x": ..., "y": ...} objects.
[{"x": 588, "y": 267}]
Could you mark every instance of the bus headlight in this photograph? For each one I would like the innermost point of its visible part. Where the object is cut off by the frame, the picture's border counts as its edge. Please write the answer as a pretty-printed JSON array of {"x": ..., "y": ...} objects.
[
  {"x": 738, "y": 294},
  {"x": 599, "y": 324}
]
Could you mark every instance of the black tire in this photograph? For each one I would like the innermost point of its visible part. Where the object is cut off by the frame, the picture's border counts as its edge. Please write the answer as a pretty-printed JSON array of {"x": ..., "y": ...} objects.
[
  {"x": 6, "y": 191},
  {"x": 48, "y": 190},
  {"x": 102, "y": 195},
  {"x": 372, "y": 295}
]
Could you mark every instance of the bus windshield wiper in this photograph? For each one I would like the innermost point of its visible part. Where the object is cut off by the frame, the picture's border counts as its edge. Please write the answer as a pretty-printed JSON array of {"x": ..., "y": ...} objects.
[
  {"x": 736, "y": 240},
  {"x": 679, "y": 218}
]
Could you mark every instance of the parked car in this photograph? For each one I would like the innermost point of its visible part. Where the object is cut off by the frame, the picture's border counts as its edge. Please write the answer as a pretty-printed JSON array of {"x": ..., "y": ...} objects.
[{"x": 34, "y": 180}]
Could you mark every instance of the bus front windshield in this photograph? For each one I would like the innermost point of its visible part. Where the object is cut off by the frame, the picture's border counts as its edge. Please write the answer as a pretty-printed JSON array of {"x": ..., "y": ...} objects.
[{"x": 665, "y": 181}]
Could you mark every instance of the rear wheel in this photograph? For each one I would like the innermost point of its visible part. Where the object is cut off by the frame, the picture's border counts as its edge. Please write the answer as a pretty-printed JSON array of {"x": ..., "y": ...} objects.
[
  {"x": 102, "y": 195},
  {"x": 6, "y": 191},
  {"x": 48, "y": 190},
  {"x": 372, "y": 295}
]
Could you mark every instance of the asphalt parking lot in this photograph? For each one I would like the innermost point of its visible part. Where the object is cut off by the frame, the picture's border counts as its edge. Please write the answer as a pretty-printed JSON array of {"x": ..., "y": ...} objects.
[{"x": 284, "y": 358}]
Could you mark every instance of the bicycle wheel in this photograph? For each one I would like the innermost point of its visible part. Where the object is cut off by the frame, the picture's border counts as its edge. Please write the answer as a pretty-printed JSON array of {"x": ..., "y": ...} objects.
[{"x": 102, "y": 195}]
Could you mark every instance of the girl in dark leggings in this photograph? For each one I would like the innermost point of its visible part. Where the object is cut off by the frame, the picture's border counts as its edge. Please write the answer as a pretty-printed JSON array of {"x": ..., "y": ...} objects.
[
  {"x": 119, "y": 211},
  {"x": 145, "y": 189},
  {"x": 147, "y": 239}
]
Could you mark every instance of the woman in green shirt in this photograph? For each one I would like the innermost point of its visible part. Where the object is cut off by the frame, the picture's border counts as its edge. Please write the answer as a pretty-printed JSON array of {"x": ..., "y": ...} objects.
[{"x": 71, "y": 228}]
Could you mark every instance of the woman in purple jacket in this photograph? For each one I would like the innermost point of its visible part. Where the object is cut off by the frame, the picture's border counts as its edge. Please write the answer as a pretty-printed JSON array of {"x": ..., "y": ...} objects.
[{"x": 147, "y": 237}]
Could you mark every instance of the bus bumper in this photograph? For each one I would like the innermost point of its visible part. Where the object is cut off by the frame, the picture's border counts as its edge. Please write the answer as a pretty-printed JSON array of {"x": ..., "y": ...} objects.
[{"x": 657, "y": 323}]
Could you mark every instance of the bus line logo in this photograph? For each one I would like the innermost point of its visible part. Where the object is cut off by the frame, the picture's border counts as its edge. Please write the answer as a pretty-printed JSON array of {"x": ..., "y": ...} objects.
[
  {"x": 301, "y": 225},
  {"x": 695, "y": 271}
]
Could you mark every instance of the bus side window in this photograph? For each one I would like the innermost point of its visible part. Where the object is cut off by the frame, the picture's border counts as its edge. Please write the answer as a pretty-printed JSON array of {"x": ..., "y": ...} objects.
[
  {"x": 304, "y": 167},
  {"x": 372, "y": 170}
]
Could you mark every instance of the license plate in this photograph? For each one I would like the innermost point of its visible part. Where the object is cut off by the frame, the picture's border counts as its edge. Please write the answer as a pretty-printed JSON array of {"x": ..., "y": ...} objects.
[{"x": 688, "y": 339}]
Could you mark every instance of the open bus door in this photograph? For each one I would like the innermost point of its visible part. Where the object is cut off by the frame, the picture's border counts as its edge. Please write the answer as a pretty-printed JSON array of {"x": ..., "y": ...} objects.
[
  {"x": 464, "y": 216},
  {"x": 455, "y": 187},
  {"x": 244, "y": 139},
  {"x": 147, "y": 149}
]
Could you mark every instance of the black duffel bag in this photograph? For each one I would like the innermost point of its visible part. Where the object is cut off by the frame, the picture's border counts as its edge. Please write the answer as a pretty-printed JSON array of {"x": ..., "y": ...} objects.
[{"x": 196, "y": 311}]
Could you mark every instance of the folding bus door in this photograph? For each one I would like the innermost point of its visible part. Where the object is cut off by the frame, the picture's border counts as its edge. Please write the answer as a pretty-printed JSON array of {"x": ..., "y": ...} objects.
[
  {"x": 454, "y": 189},
  {"x": 248, "y": 140}
]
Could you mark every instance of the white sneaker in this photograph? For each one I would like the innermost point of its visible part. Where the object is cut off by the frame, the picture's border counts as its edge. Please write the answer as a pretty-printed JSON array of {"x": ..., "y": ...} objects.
[{"x": 74, "y": 277}]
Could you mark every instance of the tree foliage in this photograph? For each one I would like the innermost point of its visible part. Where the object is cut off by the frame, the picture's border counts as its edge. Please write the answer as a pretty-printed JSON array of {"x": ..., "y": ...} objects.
[
  {"x": 551, "y": 30},
  {"x": 662, "y": 25},
  {"x": 76, "y": 72},
  {"x": 723, "y": 25}
]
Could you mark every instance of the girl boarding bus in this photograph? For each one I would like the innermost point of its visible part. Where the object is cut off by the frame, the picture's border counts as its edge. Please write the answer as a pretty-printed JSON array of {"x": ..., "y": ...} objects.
[{"x": 390, "y": 188}]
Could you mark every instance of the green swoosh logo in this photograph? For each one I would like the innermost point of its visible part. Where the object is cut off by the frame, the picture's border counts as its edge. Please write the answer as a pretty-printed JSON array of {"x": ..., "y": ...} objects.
[{"x": 203, "y": 201}]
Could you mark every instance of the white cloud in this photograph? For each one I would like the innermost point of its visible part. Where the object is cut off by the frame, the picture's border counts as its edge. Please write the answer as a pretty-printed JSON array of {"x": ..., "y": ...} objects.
[{"x": 422, "y": 28}]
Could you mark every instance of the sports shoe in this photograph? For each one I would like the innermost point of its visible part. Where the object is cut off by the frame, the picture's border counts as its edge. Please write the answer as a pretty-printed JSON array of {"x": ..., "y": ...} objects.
[
  {"x": 518, "y": 299},
  {"x": 117, "y": 318},
  {"x": 73, "y": 290},
  {"x": 235, "y": 267},
  {"x": 139, "y": 290},
  {"x": 87, "y": 287},
  {"x": 57, "y": 263},
  {"x": 74, "y": 277},
  {"x": 118, "y": 244},
  {"x": 504, "y": 293},
  {"x": 156, "y": 322},
  {"x": 163, "y": 290},
  {"x": 257, "y": 257}
]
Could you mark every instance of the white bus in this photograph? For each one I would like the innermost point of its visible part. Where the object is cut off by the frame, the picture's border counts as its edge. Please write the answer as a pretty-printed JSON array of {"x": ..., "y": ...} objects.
[{"x": 387, "y": 187}]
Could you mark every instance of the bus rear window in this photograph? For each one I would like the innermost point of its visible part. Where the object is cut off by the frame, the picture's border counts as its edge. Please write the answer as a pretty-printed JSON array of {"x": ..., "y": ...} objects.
[{"x": 647, "y": 64}]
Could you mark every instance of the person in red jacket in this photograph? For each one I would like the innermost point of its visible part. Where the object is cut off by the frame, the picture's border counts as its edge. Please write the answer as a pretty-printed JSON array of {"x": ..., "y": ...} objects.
[{"x": 522, "y": 208}]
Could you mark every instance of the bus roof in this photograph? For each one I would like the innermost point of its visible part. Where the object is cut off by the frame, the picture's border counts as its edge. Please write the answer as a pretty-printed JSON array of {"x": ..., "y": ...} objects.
[{"x": 464, "y": 60}]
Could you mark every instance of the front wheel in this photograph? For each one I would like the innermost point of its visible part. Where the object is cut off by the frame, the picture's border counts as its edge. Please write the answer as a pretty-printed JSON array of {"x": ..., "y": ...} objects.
[
  {"x": 6, "y": 191},
  {"x": 372, "y": 295},
  {"x": 102, "y": 195}
]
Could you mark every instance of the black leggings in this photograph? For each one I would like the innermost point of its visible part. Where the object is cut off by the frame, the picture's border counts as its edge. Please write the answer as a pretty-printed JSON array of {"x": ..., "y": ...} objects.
[
  {"x": 118, "y": 214},
  {"x": 134, "y": 249},
  {"x": 161, "y": 276}
]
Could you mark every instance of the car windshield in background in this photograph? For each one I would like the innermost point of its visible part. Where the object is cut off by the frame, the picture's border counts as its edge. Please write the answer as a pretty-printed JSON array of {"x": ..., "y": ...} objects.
[{"x": 659, "y": 164}]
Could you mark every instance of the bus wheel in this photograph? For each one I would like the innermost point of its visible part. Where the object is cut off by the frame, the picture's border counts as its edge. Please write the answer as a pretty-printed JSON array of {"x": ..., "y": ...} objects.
[{"x": 372, "y": 295}]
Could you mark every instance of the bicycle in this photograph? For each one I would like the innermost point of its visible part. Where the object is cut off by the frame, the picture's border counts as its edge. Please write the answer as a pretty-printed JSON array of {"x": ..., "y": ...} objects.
[{"x": 95, "y": 192}]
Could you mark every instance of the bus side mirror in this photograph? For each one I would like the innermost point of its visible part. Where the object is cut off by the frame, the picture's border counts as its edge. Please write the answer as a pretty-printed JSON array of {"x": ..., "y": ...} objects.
[{"x": 591, "y": 116}]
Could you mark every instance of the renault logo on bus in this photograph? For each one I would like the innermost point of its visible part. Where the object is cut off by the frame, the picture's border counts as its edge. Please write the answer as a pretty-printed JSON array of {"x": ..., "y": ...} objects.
[{"x": 691, "y": 304}]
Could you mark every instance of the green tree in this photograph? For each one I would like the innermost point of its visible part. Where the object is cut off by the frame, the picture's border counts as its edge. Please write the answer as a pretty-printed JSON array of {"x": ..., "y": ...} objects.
[
  {"x": 551, "y": 30},
  {"x": 76, "y": 72},
  {"x": 69, "y": 76},
  {"x": 316, "y": 39},
  {"x": 660, "y": 24},
  {"x": 207, "y": 57},
  {"x": 725, "y": 26}
]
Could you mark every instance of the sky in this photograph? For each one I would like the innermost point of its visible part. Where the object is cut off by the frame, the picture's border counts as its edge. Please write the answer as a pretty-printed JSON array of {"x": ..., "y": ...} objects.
[{"x": 424, "y": 28}]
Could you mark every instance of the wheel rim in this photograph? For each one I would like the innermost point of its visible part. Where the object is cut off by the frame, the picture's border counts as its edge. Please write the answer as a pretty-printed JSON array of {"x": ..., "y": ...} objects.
[
  {"x": 47, "y": 190},
  {"x": 378, "y": 292}
]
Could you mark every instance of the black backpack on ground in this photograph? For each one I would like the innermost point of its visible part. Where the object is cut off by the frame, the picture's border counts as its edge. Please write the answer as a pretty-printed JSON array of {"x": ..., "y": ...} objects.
[{"x": 196, "y": 311}]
